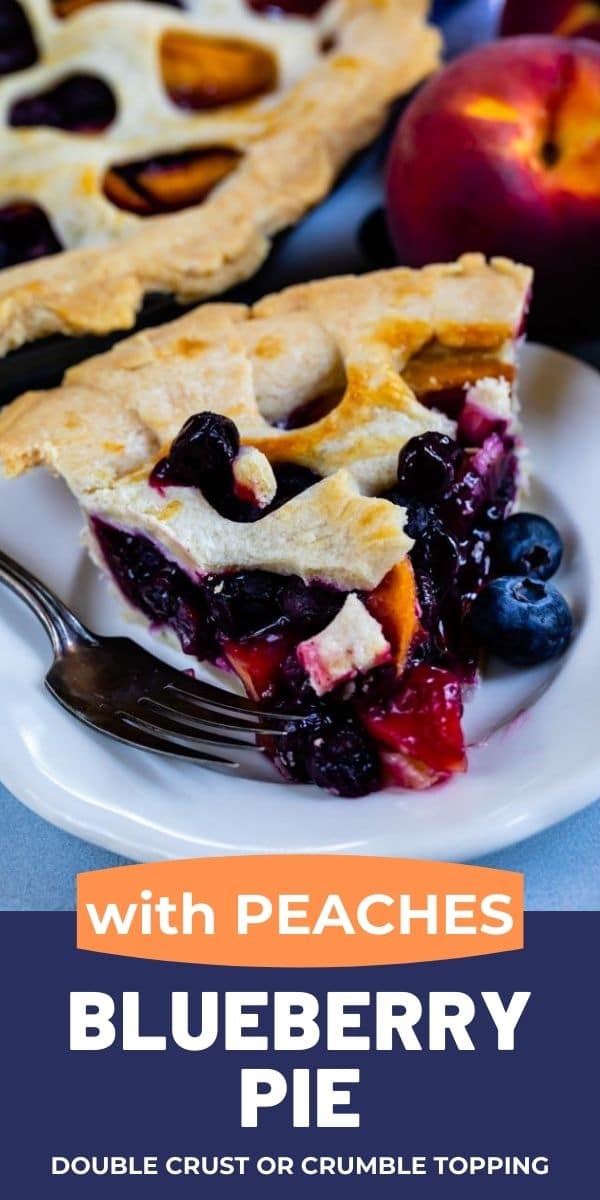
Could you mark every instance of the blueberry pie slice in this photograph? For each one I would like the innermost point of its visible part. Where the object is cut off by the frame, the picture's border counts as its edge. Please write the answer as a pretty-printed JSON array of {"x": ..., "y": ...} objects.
[
  {"x": 159, "y": 147},
  {"x": 305, "y": 492}
]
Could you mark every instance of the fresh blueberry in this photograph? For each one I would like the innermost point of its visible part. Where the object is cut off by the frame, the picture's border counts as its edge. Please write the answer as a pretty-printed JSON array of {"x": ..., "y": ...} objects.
[
  {"x": 427, "y": 466},
  {"x": 524, "y": 621},
  {"x": 527, "y": 544}
]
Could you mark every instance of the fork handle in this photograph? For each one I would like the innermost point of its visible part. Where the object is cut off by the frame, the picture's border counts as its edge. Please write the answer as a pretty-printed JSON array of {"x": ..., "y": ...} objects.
[{"x": 62, "y": 626}]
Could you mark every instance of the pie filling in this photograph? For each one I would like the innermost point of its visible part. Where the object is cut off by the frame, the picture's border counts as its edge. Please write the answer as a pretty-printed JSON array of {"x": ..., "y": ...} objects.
[
  {"x": 78, "y": 104},
  {"x": 202, "y": 72},
  {"x": 17, "y": 45},
  {"x": 25, "y": 234},
  {"x": 65, "y": 8},
  {"x": 290, "y": 8},
  {"x": 376, "y": 678},
  {"x": 199, "y": 73},
  {"x": 168, "y": 182}
]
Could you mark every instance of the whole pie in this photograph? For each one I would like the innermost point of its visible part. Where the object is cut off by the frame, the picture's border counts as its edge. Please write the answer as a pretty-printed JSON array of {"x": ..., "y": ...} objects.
[
  {"x": 305, "y": 492},
  {"x": 152, "y": 147}
]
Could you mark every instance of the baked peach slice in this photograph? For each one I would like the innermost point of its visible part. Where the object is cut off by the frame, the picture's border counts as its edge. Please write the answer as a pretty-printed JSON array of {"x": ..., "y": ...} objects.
[
  {"x": 202, "y": 72},
  {"x": 168, "y": 182}
]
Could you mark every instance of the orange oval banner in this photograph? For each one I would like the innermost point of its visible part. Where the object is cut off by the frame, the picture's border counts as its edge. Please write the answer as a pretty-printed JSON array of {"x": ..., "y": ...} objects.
[{"x": 300, "y": 911}]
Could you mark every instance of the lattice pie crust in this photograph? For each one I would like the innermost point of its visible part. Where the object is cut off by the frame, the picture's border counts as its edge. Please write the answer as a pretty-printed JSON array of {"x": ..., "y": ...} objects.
[
  {"x": 375, "y": 337},
  {"x": 292, "y": 142}
]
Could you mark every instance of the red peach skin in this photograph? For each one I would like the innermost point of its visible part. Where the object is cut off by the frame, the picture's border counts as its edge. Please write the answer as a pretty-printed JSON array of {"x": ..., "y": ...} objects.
[
  {"x": 567, "y": 18},
  {"x": 501, "y": 153}
]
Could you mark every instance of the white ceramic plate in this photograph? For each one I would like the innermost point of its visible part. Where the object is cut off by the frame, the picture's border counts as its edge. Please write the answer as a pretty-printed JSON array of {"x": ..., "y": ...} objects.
[{"x": 537, "y": 745}]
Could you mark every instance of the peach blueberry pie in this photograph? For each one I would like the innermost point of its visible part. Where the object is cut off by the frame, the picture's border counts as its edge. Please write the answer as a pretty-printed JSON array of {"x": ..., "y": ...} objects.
[
  {"x": 159, "y": 147},
  {"x": 306, "y": 492}
]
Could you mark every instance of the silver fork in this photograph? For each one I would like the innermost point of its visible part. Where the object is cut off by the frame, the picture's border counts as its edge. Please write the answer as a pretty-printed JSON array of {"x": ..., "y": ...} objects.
[{"x": 118, "y": 688}]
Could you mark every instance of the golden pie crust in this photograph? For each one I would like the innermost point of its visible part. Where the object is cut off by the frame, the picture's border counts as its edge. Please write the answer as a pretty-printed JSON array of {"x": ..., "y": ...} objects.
[
  {"x": 115, "y": 414},
  {"x": 292, "y": 142}
]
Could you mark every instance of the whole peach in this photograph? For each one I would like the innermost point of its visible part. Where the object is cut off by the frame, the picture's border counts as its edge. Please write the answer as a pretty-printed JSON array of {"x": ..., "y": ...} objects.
[
  {"x": 567, "y": 18},
  {"x": 501, "y": 153}
]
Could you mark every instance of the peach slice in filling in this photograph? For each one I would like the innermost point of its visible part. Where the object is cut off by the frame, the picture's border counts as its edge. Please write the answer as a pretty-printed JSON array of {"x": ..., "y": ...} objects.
[
  {"x": 201, "y": 72},
  {"x": 168, "y": 182}
]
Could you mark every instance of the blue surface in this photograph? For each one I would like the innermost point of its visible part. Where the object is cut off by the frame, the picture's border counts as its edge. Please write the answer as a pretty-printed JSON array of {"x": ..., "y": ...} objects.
[{"x": 38, "y": 863}]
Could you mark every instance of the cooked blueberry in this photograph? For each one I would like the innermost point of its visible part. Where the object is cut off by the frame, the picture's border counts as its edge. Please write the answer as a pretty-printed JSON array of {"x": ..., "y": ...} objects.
[
  {"x": 527, "y": 544},
  {"x": 524, "y": 621},
  {"x": 299, "y": 694},
  {"x": 345, "y": 761},
  {"x": 201, "y": 456},
  {"x": 311, "y": 606},
  {"x": 379, "y": 683},
  {"x": 190, "y": 622},
  {"x": 208, "y": 444},
  {"x": 244, "y": 603},
  {"x": 467, "y": 497},
  {"x": 418, "y": 514},
  {"x": 427, "y": 466},
  {"x": 436, "y": 552},
  {"x": 331, "y": 751},
  {"x": 485, "y": 477},
  {"x": 475, "y": 564},
  {"x": 161, "y": 589},
  {"x": 166, "y": 473},
  {"x": 291, "y": 480},
  {"x": 158, "y": 592}
]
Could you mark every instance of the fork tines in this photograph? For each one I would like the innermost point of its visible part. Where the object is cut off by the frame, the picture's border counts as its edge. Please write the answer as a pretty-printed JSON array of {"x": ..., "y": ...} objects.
[{"x": 213, "y": 698}]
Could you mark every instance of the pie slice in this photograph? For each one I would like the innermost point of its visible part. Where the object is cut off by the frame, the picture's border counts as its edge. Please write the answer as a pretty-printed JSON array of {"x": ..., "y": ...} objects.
[
  {"x": 159, "y": 147},
  {"x": 305, "y": 492}
]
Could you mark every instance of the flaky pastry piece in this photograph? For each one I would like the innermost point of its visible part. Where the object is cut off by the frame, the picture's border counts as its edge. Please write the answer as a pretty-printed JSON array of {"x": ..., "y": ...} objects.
[
  {"x": 110, "y": 195},
  {"x": 358, "y": 339}
]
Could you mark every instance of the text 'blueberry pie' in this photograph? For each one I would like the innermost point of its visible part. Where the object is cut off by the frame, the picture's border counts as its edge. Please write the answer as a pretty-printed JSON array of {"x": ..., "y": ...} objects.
[
  {"x": 306, "y": 492},
  {"x": 159, "y": 147}
]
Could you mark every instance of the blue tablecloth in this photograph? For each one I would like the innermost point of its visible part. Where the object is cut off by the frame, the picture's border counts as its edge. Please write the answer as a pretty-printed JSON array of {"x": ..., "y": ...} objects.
[{"x": 38, "y": 863}]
